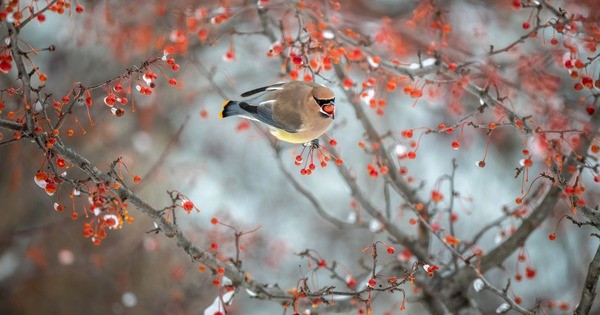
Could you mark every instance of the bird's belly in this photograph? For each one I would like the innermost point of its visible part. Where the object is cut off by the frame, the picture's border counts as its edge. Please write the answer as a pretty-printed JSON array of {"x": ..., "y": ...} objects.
[{"x": 301, "y": 136}]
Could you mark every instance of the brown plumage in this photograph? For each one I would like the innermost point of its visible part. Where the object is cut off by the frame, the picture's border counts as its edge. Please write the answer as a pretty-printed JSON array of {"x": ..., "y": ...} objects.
[{"x": 295, "y": 112}]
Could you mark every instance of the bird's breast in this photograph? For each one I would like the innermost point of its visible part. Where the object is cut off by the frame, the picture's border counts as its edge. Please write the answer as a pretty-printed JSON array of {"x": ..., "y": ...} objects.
[{"x": 306, "y": 133}]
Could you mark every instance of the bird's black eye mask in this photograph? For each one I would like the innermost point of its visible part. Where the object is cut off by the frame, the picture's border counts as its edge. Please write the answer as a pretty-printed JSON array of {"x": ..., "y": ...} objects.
[
  {"x": 326, "y": 107},
  {"x": 324, "y": 102}
]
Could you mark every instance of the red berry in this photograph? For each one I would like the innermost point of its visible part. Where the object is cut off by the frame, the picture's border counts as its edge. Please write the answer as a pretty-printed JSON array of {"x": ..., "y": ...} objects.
[
  {"x": 50, "y": 188},
  {"x": 590, "y": 110},
  {"x": 384, "y": 169},
  {"x": 202, "y": 34},
  {"x": 569, "y": 64},
  {"x": 5, "y": 66},
  {"x": 187, "y": 205},
  {"x": 530, "y": 273},
  {"x": 297, "y": 60},
  {"x": 348, "y": 83},
  {"x": 351, "y": 281},
  {"x": 372, "y": 282},
  {"x": 60, "y": 162},
  {"x": 587, "y": 81}
]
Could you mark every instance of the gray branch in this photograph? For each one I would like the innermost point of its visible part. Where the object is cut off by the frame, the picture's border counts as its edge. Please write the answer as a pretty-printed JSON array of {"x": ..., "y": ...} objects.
[{"x": 589, "y": 290}]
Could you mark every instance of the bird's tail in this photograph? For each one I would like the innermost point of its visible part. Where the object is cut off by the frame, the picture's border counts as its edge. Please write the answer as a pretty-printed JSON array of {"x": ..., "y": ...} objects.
[{"x": 230, "y": 108}]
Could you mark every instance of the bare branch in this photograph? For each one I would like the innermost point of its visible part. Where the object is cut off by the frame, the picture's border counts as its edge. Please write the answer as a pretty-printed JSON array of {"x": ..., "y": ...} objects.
[
  {"x": 502, "y": 293},
  {"x": 11, "y": 125},
  {"x": 589, "y": 290}
]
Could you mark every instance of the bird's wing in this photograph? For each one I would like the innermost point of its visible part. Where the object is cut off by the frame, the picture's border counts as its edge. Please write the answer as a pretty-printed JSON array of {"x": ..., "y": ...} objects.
[
  {"x": 273, "y": 87},
  {"x": 291, "y": 108},
  {"x": 265, "y": 114}
]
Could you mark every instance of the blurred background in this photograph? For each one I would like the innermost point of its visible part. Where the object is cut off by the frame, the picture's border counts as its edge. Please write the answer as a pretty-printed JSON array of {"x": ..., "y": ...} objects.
[{"x": 175, "y": 141}]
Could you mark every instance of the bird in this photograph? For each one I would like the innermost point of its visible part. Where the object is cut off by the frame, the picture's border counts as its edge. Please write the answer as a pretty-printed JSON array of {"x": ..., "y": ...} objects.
[{"x": 295, "y": 112}]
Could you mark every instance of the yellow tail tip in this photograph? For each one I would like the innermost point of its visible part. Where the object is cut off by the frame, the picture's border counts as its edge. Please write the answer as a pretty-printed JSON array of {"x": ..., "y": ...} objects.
[{"x": 223, "y": 108}]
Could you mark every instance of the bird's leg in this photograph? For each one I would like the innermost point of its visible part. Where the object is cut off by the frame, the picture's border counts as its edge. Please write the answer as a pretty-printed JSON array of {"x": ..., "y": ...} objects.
[{"x": 313, "y": 144}]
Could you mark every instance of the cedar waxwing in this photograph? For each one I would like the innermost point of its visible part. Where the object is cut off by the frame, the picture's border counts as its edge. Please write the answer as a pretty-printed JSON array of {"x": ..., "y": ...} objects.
[{"x": 296, "y": 112}]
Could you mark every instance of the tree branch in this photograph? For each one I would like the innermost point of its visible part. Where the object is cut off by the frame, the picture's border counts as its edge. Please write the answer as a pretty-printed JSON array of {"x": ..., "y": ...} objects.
[
  {"x": 307, "y": 193},
  {"x": 540, "y": 213},
  {"x": 589, "y": 290},
  {"x": 11, "y": 125},
  {"x": 398, "y": 183},
  {"x": 237, "y": 276},
  {"x": 390, "y": 227}
]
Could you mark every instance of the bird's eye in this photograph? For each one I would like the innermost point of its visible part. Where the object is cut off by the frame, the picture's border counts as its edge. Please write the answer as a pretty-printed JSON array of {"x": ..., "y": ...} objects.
[{"x": 328, "y": 109}]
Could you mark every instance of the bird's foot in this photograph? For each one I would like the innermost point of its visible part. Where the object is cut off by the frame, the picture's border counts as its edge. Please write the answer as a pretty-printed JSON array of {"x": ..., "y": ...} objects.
[{"x": 312, "y": 144}]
